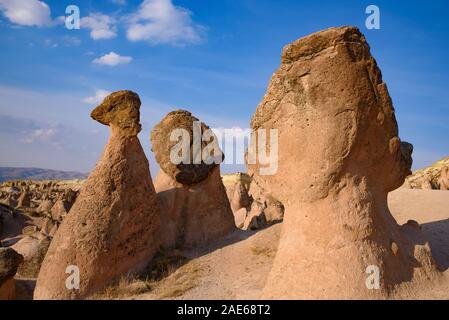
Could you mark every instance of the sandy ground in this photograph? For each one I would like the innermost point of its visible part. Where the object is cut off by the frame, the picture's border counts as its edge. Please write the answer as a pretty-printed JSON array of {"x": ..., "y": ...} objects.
[
  {"x": 236, "y": 267},
  {"x": 431, "y": 209}
]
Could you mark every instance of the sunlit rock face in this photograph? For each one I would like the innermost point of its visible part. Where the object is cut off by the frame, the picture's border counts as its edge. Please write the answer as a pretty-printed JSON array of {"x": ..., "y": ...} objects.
[
  {"x": 114, "y": 226},
  {"x": 339, "y": 156},
  {"x": 193, "y": 200}
]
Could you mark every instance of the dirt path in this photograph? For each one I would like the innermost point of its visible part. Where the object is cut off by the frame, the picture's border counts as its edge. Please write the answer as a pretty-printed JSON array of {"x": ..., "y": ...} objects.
[{"x": 236, "y": 267}]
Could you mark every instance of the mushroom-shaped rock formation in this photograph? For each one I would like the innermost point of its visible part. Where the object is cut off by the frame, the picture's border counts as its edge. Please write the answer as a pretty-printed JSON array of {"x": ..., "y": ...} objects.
[
  {"x": 339, "y": 155},
  {"x": 192, "y": 196},
  {"x": 113, "y": 227}
]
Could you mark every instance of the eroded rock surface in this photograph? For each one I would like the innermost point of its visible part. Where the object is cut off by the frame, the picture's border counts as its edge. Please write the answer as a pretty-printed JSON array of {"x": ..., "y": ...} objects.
[
  {"x": 339, "y": 156},
  {"x": 10, "y": 260},
  {"x": 434, "y": 177},
  {"x": 193, "y": 199},
  {"x": 194, "y": 171},
  {"x": 113, "y": 227}
]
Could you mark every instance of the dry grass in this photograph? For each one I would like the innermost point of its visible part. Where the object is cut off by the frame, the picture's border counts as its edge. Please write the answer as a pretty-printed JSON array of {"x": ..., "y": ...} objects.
[
  {"x": 126, "y": 287},
  {"x": 262, "y": 251},
  {"x": 182, "y": 280},
  {"x": 169, "y": 275},
  {"x": 165, "y": 263}
]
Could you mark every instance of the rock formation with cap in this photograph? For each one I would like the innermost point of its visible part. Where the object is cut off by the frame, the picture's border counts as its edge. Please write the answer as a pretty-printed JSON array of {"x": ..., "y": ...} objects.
[
  {"x": 113, "y": 227},
  {"x": 339, "y": 156},
  {"x": 194, "y": 204}
]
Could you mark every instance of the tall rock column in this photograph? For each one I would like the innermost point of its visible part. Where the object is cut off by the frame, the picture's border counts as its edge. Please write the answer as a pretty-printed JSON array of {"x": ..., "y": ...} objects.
[
  {"x": 339, "y": 156},
  {"x": 195, "y": 207},
  {"x": 113, "y": 227}
]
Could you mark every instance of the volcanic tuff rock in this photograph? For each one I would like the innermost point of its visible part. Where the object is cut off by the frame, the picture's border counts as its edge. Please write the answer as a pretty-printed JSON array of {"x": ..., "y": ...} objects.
[
  {"x": 253, "y": 207},
  {"x": 12, "y": 222},
  {"x": 33, "y": 249},
  {"x": 192, "y": 196},
  {"x": 185, "y": 173},
  {"x": 193, "y": 214},
  {"x": 9, "y": 262},
  {"x": 240, "y": 198},
  {"x": 121, "y": 110},
  {"x": 113, "y": 228},
  {"x": 339, "y": 156},
  {"x": 435, "y": 176}
]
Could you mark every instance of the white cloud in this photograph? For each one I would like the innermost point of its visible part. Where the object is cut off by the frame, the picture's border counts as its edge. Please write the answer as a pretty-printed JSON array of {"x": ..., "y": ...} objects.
[
  {"x": 27, "y": 12},
  {"x": 160, "y": 22},
  {"x": 97, "y": 98},
  {"x": 112, "y": 59},
  {"x": 42, "y": 135},
  {"x": 101, "y": 26}
]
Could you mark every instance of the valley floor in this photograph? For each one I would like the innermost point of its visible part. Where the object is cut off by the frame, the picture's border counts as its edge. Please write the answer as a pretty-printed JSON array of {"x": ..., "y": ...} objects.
[{"x": 237, "y": 266}]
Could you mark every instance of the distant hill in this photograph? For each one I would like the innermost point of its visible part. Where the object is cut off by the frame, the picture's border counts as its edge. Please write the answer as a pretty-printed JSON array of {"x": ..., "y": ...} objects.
[{"x": 8, "y": 173}]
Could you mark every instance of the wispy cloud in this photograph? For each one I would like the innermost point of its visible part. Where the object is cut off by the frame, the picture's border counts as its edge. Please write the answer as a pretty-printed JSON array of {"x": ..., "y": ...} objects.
[
  {"x": 43, "y": 135},
  {"x": 27, "y": 12},
  {"x": 112, "y": 59},
  {"x": 160, "y": 22},
  {"x": 102, "y": 26},
  {"x": 28, "y": 131},
  {"x": 97, "y": 98}
]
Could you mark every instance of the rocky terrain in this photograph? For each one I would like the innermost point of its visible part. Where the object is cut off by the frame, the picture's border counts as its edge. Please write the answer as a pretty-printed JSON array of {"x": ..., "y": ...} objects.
[
  {"x": 8, "y": 174},
  {"x": 434, "y": 177},
  {"x": 30, "y": 215},
  {"x": 310, "y": 230}
]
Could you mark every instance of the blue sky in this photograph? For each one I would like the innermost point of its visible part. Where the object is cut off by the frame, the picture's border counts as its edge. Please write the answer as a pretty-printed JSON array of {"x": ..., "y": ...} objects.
[{"x": 214, "y": 58}]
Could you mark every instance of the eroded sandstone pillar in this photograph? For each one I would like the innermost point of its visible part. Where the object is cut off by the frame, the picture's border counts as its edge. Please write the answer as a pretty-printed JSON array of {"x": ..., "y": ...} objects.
[
  {"x": 193, "y": 200},
  {"x": 113, "y": 228},
  {"x": 339, "y": 156}
]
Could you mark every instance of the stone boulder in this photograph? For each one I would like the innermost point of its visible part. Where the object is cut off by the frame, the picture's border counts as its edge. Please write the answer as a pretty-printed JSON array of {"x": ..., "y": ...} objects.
[
  {"x": 426, "y": 184},
  {"x": 12, "y": 223},
  {"x": 253, "y": 207},
  {"x": 9, "y": 262},
  {"x": 24, "y": 200},
  {"x": 162, "y": 144},
  {"x": 434, "y": 176},
  {"x": 193, "y": 199},
  {"x": 240, "y": 217},
  {"x": 113, "y": 228},
  {"x": 33, "y": 249},
  {"x": 9, "y": 201},
  {"x": 443, "y": 181},
  {"x": 240, "y": 198},
  {"x": 339, "y": 155},
  {"x": 59, "y": 210},
  {"x": 45, "y": 206}
]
